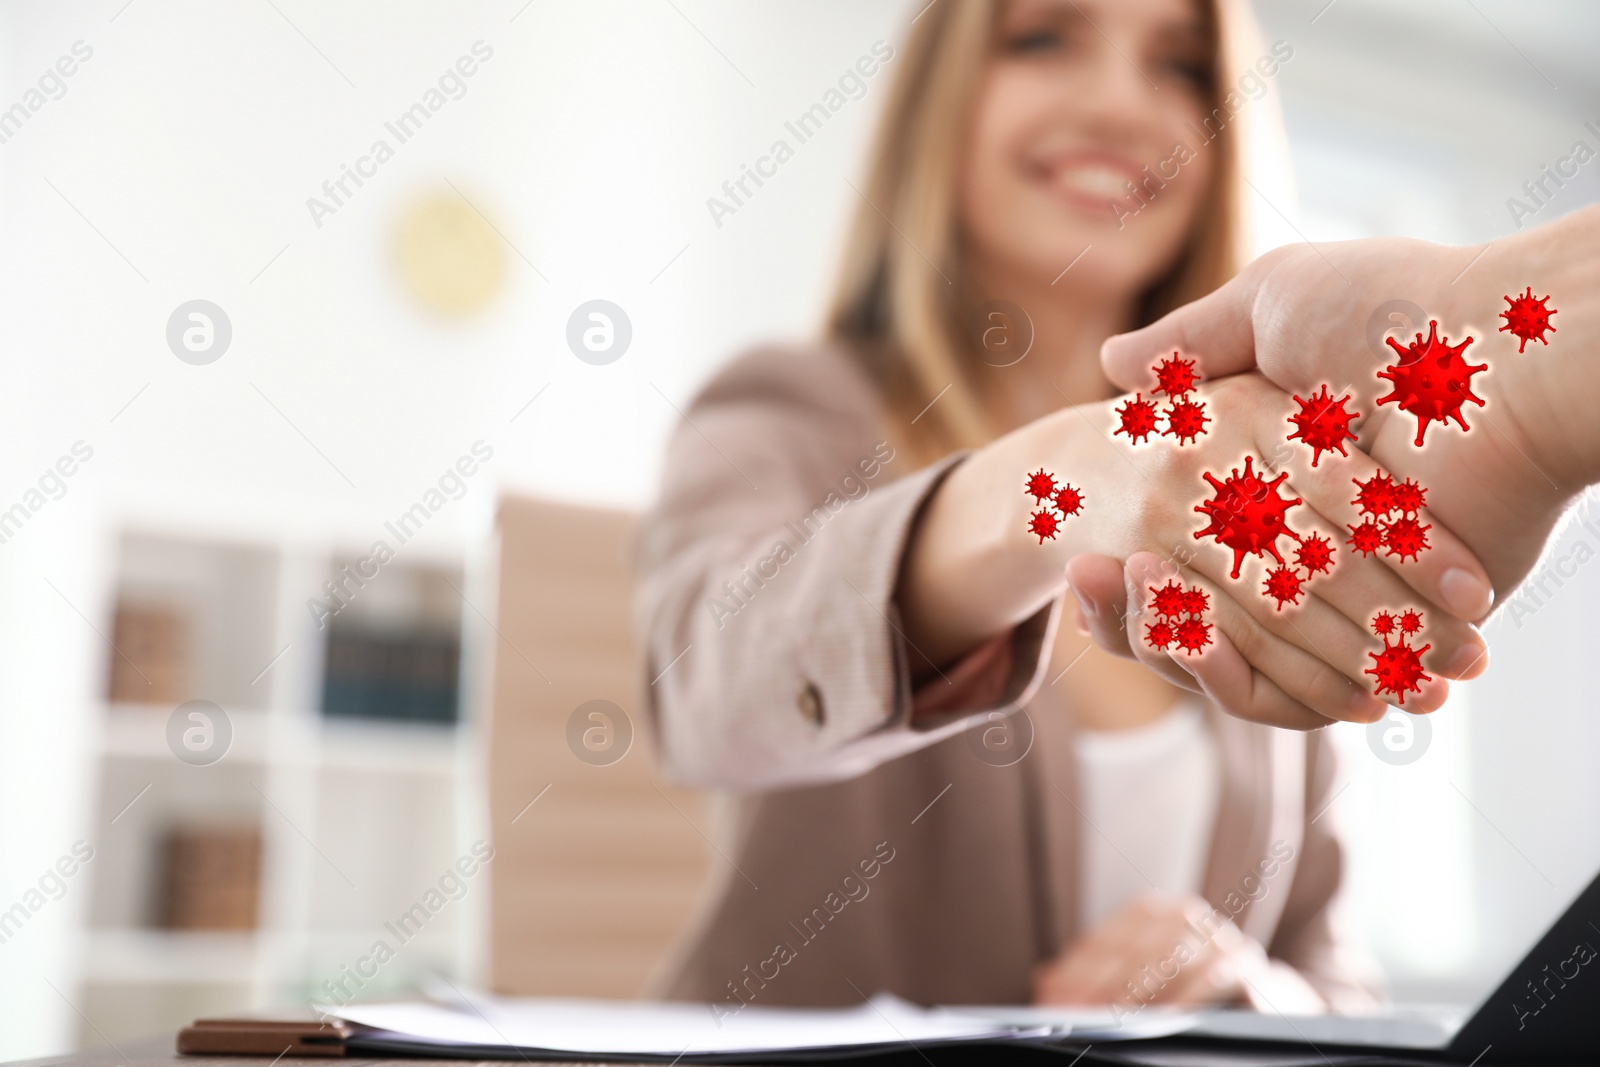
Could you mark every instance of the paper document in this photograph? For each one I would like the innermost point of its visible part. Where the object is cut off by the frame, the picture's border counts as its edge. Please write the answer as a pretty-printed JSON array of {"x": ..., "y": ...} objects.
[{"x": 670, "y": 1030}]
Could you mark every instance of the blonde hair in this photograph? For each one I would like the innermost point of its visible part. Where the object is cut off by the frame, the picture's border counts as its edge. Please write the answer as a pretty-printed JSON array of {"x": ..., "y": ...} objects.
[{"x": 902, "y": 295}]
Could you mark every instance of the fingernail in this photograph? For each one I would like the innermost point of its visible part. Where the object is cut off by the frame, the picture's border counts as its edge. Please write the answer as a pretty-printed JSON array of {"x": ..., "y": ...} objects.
[
  {"x": 1468, "y": 662},
  {"x": 1465, "y": 594},
  {"x": 1086, "y": 603}
]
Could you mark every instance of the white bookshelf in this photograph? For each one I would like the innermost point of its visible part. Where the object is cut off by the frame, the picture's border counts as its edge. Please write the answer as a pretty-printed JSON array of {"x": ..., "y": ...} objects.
[{"x": 358, "y": 817}]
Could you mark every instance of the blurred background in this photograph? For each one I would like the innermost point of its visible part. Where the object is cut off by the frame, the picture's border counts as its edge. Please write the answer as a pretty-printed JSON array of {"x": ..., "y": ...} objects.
[{"x": 390, "y": 364}]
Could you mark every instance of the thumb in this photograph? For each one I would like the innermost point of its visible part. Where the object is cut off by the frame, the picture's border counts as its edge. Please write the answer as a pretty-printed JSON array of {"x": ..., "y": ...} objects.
[{"x": 1215, "y": 330}]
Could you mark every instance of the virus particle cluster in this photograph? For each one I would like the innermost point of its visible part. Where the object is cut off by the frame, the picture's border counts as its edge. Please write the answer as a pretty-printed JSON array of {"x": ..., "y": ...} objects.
[
  {"x": 1180, "y": 618},
  {"x": 1247, "y": 513},
  {"x": 1528, "y": 318},
  {"x": 1390, "y": 522},
  {"x": 1185, "y": 417},
  {"x": 1398, "y": 668},
  {"x": 1285, "y": 584},
  {"x": 1323, "y": 423},
  {"x": 1056, "y": 503},
  {"x": 1431, "y": 381}
]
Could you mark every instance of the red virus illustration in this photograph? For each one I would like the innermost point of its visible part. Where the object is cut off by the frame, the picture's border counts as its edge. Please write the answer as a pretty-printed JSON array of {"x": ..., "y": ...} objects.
[
  {"x": 1391, "y": 517},
  {"x": 1366, "y": 538},
  {"x": 1431, "y": 381},
  {"x": 1046, "y": 523},
  {"x": 1408, "y": 497},
  {"x": 1138, "y": 418},
  {"x": 1192, "y": 634},
  {"x": 1398, "y": 668},
  {"x": 1040, "y": 485},
  {"x": 1527, "y": 317},
  {"x": 1179, "y": 618},
  {"x": 1248, "y": 514},
  {"x": 1170, "y": 600},
  {"x": 1068, "y": 500},
  {"x": 1175, "y": 377},
  {"x": 1283, "y": 585},
  {"x": 1323, "y": 423},
  {"x": 1186, "y": 419},
  {"x": 1315, "y": 554},
  {"x": 1159, "y": 634},
  {"x": 1405, "y": 537}
]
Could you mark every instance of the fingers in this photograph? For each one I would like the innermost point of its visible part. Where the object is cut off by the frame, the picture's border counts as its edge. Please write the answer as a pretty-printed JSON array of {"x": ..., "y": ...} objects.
[
  {"x": 1249, "y": 670},
  {"x": 1096, "y": 584},
  {"x": 1215, "y": 330}
]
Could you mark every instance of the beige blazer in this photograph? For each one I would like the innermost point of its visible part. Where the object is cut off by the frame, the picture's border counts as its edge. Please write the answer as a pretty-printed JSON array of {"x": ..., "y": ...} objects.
[{"x": 857, "y": 853}]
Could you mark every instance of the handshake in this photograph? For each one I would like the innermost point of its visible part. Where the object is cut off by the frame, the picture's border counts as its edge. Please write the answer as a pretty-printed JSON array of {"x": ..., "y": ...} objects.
[{"x": 1294, "y": 324}]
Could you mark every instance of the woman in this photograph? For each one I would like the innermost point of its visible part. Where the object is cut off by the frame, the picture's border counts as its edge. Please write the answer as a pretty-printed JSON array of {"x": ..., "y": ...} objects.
[{"x": 840, "y": 598}]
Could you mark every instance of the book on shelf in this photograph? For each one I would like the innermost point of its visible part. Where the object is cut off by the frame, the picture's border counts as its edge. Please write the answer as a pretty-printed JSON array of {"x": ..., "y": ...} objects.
[
  {"x": 150, "y": 654},
  {"x": 393, "y": 674},
  {"x": 211, "y": 878}
]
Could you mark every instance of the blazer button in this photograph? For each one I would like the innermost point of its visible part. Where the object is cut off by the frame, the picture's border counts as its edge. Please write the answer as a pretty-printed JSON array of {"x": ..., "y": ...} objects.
[{"x": 809, "y": 701}]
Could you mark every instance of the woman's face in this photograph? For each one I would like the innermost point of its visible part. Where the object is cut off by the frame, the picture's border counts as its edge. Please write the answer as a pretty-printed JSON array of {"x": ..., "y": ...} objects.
[{"x": 1079, "y": 97}]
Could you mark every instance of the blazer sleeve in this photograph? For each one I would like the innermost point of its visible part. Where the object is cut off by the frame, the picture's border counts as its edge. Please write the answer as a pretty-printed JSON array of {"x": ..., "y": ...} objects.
[
  {"x": 1316, "y": 935},
  {"x": 773, "y": 648}
]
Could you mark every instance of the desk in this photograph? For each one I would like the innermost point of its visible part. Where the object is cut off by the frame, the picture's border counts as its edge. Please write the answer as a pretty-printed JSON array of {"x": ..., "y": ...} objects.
[{"x": 160, "y": 1054}]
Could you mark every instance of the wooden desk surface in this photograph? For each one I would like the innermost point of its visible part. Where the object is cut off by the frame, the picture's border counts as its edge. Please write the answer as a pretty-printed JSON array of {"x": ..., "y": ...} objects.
[{"x": 162, "y": 1054}]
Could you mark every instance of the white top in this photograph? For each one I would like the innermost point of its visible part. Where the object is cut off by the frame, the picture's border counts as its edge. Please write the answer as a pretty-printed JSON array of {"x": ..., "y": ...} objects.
[{"x": 1149, "y": 796}]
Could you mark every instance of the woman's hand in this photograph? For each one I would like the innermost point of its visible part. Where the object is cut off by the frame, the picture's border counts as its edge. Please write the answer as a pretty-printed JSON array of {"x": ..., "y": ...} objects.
[
  {"x": 1307, "y": 315},
  {"x": 972, "y": 568},
  {"x": 1153, "y": 952}
]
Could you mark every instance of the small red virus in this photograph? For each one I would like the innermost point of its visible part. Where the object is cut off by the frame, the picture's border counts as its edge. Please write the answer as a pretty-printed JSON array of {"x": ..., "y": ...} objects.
[
  {"x": 1159, "y": 634},
  {"x": 1138, "y": 418},
  {"x": 1283, "y": 585},
  {"x": 1170, "y": 600},
  {"x": 1044, "y": 523},
  {"x": 1192, "y": 634},
  {"x": 1398, "y": 668},
  {"x": 1195, "y": 601},
  {"x": 1528, "y": 318},
  {"x": 1040, "y": 485},
  {"x": 1323, "y": 423},
  {"x": 1431, "y": 380},
  {"x": 1315, "y": 554},
  {"x": 1405, "y": 537},
  {"x": 1366, "y": 538},
  {"x": 1175, "y": 376},
  {"x": 1068, "y": 500},
  {"x": 1247, "y": 514},
  {"x": 1186, "y": 419},
  {"x": 1179, "y": 618},
  {"x": 1408, "y": 497},
  {"x": 1375, "y": 496}
]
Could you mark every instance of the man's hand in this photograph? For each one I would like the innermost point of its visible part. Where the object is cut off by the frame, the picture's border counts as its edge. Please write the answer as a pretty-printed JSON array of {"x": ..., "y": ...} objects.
[{"x": 1311, "y": 315}]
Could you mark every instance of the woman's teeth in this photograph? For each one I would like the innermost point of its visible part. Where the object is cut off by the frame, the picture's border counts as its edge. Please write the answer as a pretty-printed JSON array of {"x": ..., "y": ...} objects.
[{"x": 1093, "y": 181}]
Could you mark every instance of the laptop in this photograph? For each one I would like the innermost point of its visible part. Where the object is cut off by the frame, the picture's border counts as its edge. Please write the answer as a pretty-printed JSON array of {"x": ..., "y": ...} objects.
[{"x": 1547, "y": 1009}]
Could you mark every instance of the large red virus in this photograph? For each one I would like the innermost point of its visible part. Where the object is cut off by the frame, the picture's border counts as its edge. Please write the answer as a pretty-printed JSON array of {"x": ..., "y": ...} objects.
[
  {"x": 1323, "y": 423},
  {"x": 1186, "y": 419},
  {"x": 1391, "y": 520},
  {"x": 1179, "y": 615},
  {"x": 1431, "y": 381},
  {"x": 1398, "y": 668},
  {"x": 1248, "y": 514},
  {"x": 1138, "y": 418},
  {"x": 1059, "y": 502},
  {"x": 1527, "y": 317},
  {"x": 1175, "y": 376}
]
